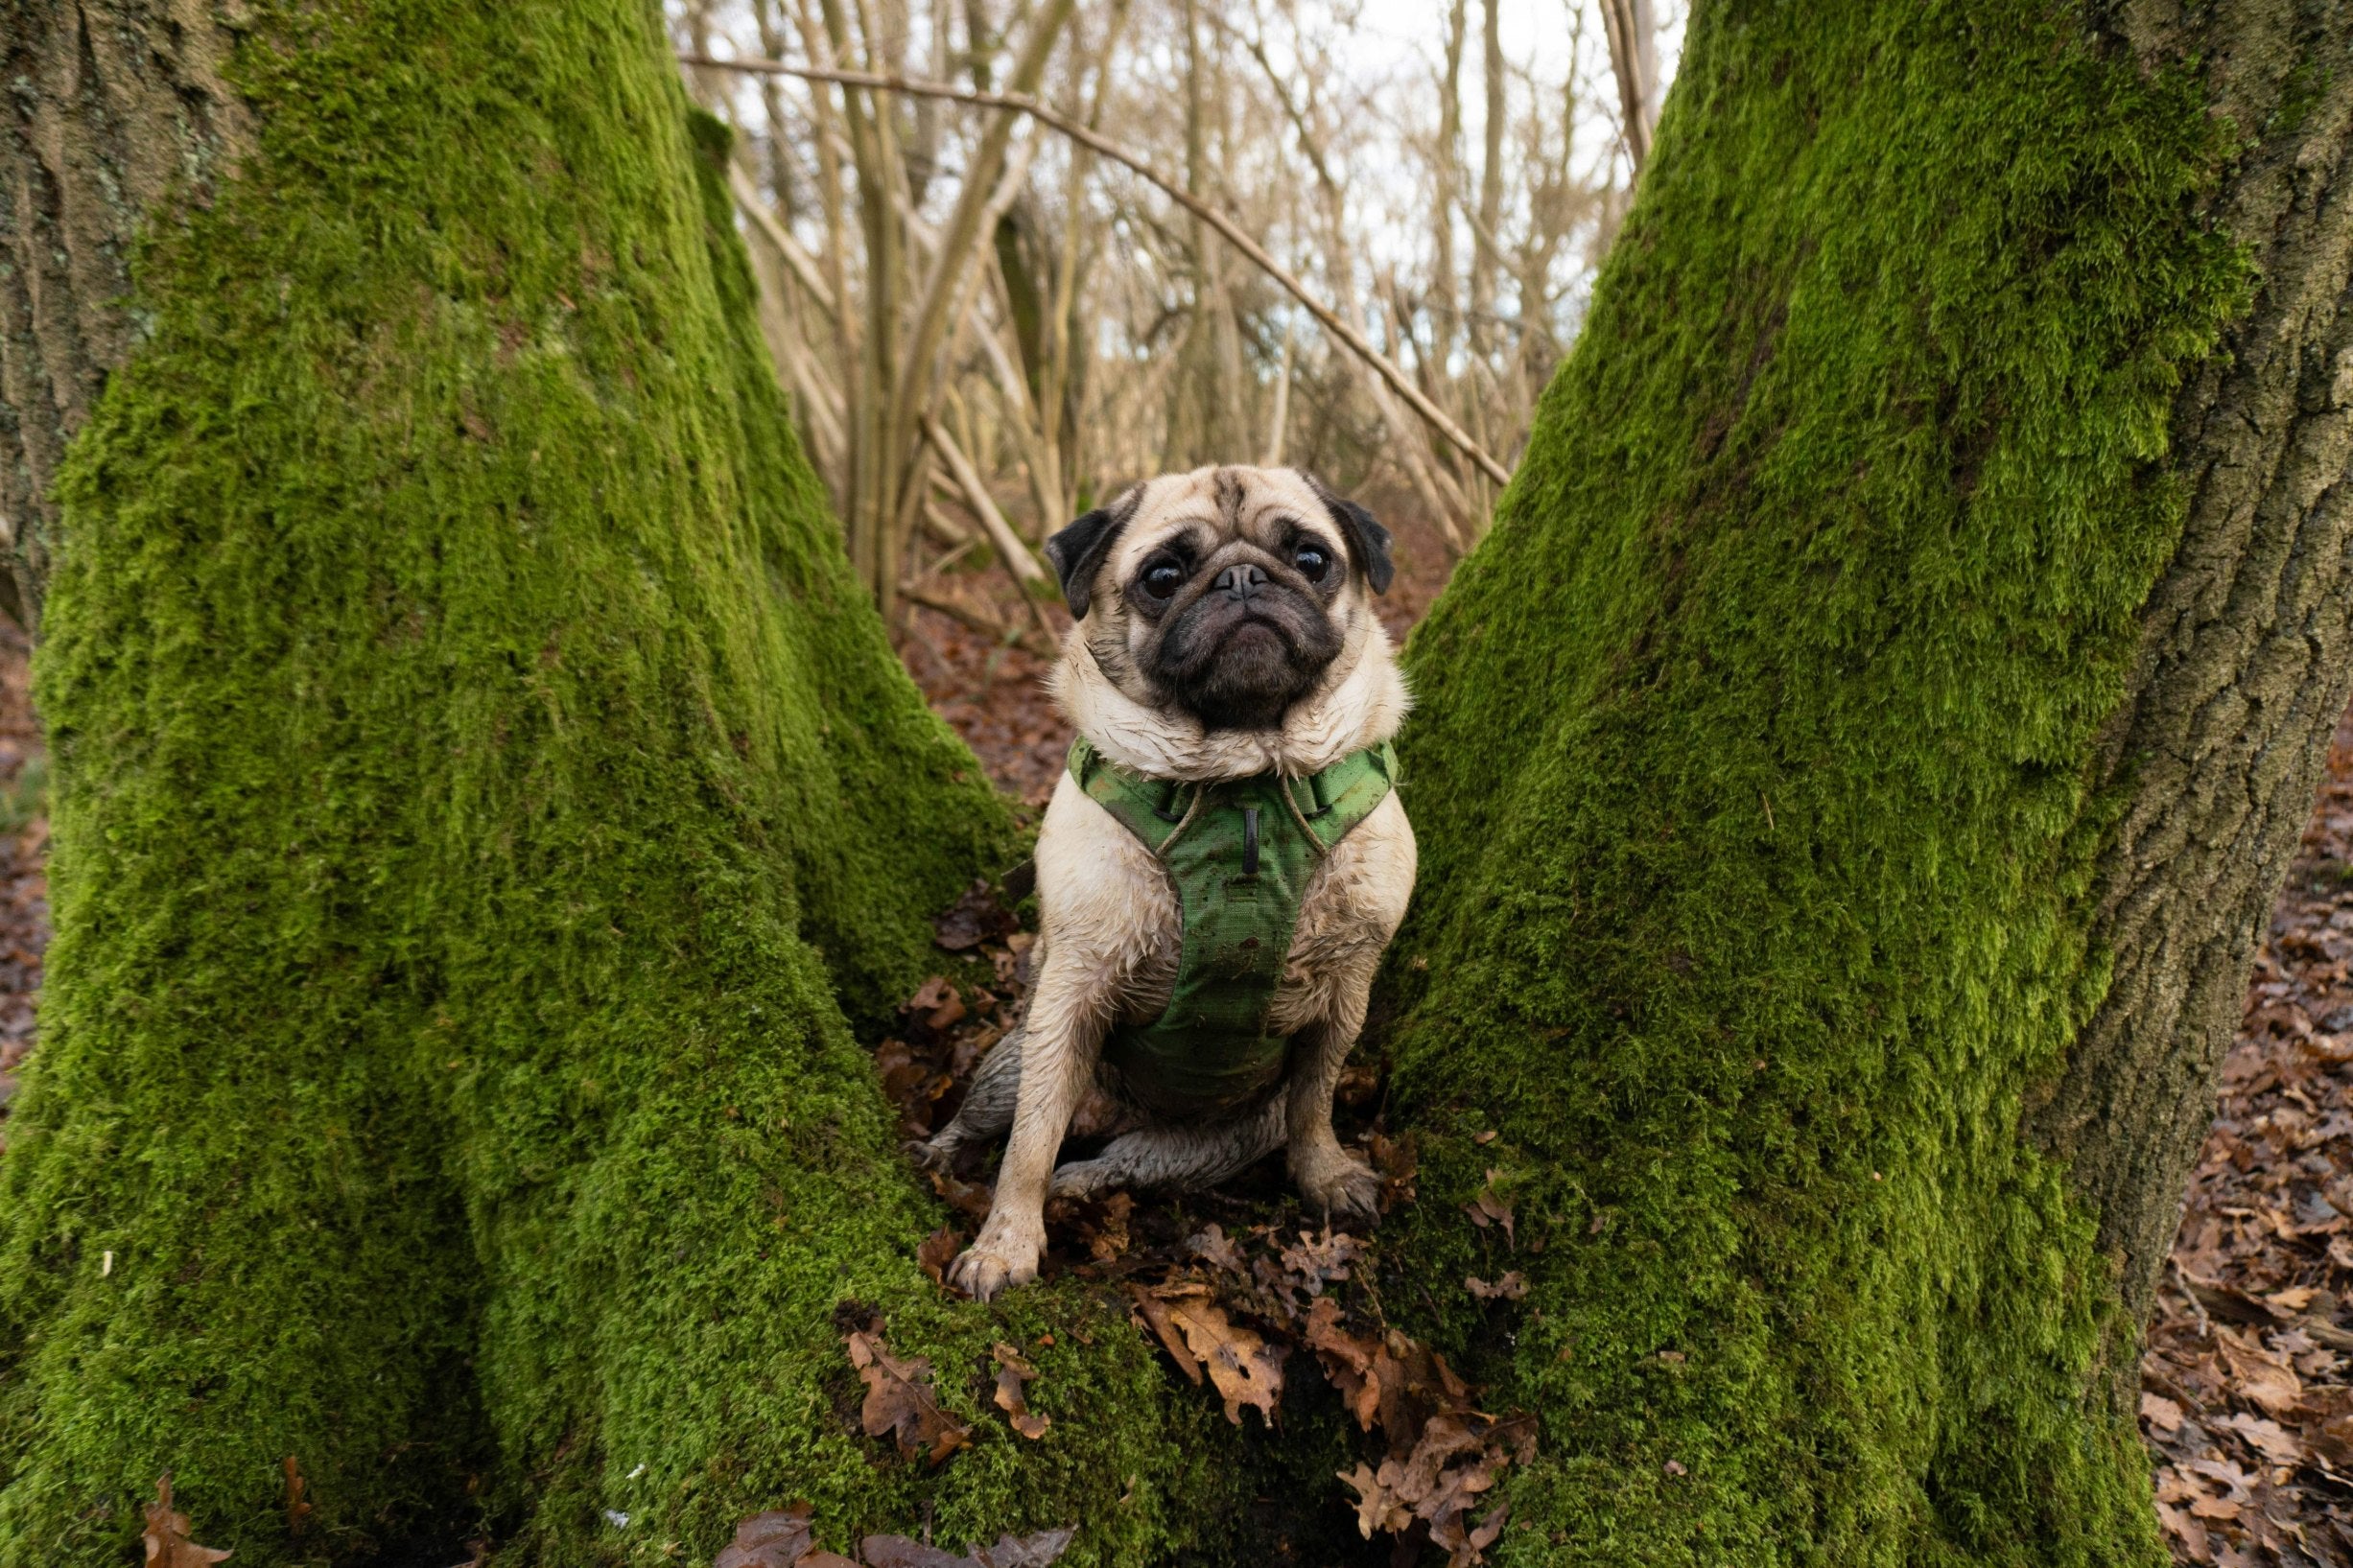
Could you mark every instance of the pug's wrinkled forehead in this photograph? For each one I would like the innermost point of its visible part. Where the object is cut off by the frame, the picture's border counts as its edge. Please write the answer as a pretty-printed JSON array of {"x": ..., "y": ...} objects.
[{"x": 1279, "y": 510}]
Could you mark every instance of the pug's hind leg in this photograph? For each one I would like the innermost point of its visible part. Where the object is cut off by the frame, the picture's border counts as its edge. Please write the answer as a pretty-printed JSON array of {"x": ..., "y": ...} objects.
[
  {"x": 1177, "y": 1158},
  {"x": 987, "y": 1110}
]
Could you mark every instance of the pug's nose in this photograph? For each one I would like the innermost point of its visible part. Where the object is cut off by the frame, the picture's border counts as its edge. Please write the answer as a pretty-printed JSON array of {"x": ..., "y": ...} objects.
[{"x": 1240, "y": 581}]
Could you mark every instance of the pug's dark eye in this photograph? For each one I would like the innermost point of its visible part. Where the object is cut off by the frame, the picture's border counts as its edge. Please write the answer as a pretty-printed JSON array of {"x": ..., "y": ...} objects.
[
  {"x": 1163, "y": 578},
  {"x": 1312, "y": 562}
]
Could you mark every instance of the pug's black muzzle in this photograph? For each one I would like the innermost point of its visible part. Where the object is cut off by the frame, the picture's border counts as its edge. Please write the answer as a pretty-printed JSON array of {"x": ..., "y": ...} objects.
[{"x": 1247, "y": 647}]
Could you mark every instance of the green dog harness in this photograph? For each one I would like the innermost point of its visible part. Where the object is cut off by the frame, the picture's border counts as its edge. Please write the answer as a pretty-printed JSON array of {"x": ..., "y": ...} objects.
[{"x": 1240, "y": 852}]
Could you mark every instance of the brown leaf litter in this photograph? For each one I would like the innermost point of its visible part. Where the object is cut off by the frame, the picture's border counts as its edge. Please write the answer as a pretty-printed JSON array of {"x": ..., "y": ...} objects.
[
  {"x": 166, "y": 1539},
  {"x": 900, "y": 1402},
  {"x": 2246, "y": 1391},
  {"x": 1014, "y": 1375}
]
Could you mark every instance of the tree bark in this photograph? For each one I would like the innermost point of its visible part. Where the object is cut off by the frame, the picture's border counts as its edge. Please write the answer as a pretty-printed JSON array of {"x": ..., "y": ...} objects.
[
  {"x": 1853, "y": 774},
  {"x": 2243, "y": 661},
  {"x": 485, "y": 794},
  {"x": 117, "y": 111}
]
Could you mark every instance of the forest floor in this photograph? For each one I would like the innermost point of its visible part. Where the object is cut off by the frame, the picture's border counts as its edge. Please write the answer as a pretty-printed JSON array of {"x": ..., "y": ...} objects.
[{"x": 2247, "y": 1379}]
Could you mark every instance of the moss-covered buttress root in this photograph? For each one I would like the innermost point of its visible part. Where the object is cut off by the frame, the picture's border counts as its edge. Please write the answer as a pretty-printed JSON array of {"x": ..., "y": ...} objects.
[{"x": 482, "y": 787}]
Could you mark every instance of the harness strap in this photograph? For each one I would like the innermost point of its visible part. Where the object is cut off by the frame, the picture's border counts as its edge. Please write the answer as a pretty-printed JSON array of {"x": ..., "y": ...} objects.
[{"x": 1239, "y": 852}]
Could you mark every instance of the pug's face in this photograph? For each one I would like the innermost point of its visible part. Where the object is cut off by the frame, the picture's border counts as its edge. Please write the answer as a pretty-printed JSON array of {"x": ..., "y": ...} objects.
[{"x": 1226, "y": 592}]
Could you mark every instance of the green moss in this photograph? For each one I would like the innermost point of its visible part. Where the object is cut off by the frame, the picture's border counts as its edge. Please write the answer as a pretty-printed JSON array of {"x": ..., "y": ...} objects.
[
  {"x": 482, "y": 789},
  {"x": 1751, "y": 771}
]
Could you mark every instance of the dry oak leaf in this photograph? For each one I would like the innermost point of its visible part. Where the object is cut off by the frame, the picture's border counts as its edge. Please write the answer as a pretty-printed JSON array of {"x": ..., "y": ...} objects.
[
  {"x": 2257, "y": 1374},
  {"x": 1378, "y": 1506},
  {"x": 2191, "y": 1532},
  {"x": 1107, "y": 1238},
  {"x": 900, "y": 1401},
  {"x": 937, "y": 1000},
  {"x": 2273, "y": 1440},
  {"x": 1317, "y": 1260},
  {"x": 168, "y": 1545},
  {"x": 1455, "y": 1459},
  {"x": 971, "y": 1199},
  {"x": 779, "y": 1538},
  {"x": 1038, "y": 1551},
  {"x": 1489, "y": 1208},
  {"x": 2161, "y": 1413},
  {"x": 1245, "y": 1368},
  {"x": 1012, "y": 1372},
  {"x": 1468, "y": 1548},
  {"x": 1213, "y": 1245},
  {"x": 1512, "y": 1287},
  {"x": 937, "y": 1251}
]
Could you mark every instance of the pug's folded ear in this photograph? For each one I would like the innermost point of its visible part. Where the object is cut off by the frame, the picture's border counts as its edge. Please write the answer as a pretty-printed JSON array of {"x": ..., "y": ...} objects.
[
  {"x": 1367, "y": 540},
  {"x": 1076, "y": 552}
]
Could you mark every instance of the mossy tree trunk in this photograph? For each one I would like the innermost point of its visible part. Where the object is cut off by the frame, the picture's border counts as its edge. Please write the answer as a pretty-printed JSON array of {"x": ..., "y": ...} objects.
[
  {"x": 483, "y": 788},
  {"x": 1854, "y": 773}
]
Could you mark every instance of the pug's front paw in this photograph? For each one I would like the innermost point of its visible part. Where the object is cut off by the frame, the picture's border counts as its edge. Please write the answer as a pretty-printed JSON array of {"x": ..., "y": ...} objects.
[
  {"x": 1340, "y": 1187},
  {"x": 998, "y": 1259}
]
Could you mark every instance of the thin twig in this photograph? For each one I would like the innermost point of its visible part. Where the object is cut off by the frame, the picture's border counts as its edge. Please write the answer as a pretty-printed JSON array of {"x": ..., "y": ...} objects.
[
  {"x": 1231, "y": 232},
  {"x": 1018, "y": 560}
]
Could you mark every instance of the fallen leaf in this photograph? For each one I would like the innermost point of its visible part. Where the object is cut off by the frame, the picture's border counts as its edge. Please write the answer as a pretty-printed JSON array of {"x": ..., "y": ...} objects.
[
  {"x": 1106, "y": 1231},
  {"x": 2261, "y": 1376},
  {"x": 1465, "y": 1549},
  {"x": 909, "y": 1083},
  {"x": 779, "y": 1538},
  {"x": 1443, "y": 1454},
  {"x": 1510, "y": 1288},
  {"x": 1489, "y": 1207},
  {"x": 2161, "y": 1412},
  {"x": 971, "y": 1199},
  {"x": 2270, "y": 1439},
  {"x": 1244, "y": 1367},
  {"x": 2190, "y": 1532},
  {"x": 1350, "y": 1363},
  {"x": 1213, "y": 1245},
  {"x": 1012, "y": 1373},
  {"x": 900, "y": 1401},
  {"x": 168, "y": 1545},
  {"x": 937, "y": 1251},
  {"x": 1317, "y": 1260},
  {"x": 1378, "y": 1506},
  {"x": 899, "y": 1551}
]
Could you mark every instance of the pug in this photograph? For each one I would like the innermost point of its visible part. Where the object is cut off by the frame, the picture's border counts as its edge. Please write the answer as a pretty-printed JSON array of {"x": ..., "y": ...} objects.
[{"x": 1232, "y": 787}]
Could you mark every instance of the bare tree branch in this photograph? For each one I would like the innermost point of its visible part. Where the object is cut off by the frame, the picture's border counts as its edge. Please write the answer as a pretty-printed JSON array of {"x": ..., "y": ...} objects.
[
  {"x": 1232, "y": 233},
  {"x": 1016, "y": 557}
]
